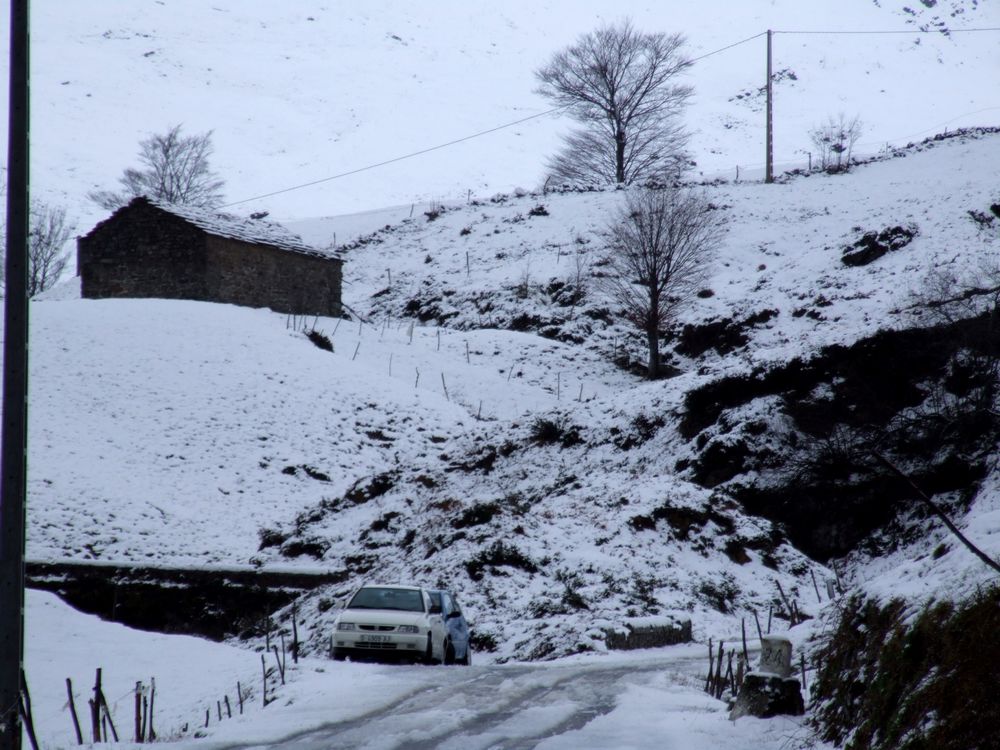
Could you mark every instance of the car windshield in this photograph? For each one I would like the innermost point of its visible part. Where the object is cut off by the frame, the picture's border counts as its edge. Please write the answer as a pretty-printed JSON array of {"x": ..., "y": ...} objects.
[{"x": 378, "y": 597}]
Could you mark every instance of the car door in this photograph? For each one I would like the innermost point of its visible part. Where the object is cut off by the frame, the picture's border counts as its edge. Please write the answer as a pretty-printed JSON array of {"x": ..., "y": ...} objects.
[
  {"x": 435, "y": 618},
  {"x": 458, "y": 628}
]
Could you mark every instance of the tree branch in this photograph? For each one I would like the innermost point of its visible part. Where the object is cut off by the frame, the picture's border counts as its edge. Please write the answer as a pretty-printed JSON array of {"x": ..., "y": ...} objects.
[{"x": 939, "y": 512}]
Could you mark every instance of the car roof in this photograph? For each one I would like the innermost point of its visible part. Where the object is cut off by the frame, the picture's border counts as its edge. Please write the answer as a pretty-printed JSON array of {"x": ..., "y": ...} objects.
[{"x": 405, "y": 586}]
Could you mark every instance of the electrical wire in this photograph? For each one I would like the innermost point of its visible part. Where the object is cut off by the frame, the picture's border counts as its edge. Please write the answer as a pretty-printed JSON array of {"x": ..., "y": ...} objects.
[
  {"x": 943, "y": 31},
  {"x": 723, "y": 49},
  {"x": 397, "y": 158},
  {"x": 456, "y": 141},
  {"x": 554, "y": 110}
]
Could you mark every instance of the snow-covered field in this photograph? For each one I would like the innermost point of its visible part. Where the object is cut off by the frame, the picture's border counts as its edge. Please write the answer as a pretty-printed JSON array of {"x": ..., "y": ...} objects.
[{"x": 174, "y": 433}]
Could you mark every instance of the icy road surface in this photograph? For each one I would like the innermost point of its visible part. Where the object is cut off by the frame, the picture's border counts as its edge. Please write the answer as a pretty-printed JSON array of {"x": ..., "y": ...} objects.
[{"x": 655, "y": 702}]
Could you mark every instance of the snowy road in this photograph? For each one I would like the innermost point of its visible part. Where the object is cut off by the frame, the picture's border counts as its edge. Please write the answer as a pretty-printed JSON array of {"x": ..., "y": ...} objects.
[{"x": 655, "y": 702}]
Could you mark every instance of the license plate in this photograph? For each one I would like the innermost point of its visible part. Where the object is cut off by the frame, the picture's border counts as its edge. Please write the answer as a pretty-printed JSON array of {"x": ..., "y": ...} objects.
[{"x": 374, "y": 638}]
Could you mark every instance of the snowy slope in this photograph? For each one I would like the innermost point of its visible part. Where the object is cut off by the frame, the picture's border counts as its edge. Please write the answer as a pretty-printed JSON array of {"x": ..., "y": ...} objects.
[
  {"x": 528, "y": 472},
  {"x": 301, "y": 91},
  {"x": 175, "y": 432}
]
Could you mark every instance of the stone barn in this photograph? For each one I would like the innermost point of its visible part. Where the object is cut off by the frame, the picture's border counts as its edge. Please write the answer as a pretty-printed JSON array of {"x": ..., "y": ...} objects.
[{"x": 154, "y": 249}]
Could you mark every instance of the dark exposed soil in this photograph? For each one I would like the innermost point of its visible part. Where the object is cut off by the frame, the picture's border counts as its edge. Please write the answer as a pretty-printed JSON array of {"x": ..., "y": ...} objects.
[
  {"x": 724, "y": 335},
  {"x": 212, "y": 603},
  {"x": 818, "y": 477},
  {"x": 873, "y": 245}
]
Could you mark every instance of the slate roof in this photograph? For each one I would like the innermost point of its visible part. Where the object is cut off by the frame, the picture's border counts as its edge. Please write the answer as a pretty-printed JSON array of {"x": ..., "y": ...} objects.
[{"x": 243, "y": 228}]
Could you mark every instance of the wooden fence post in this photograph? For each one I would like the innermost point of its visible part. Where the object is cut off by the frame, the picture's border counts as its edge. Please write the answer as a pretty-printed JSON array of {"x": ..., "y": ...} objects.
[
  {"x": 25, "y": 711},
  {"x": 788, "y": 606},
  {"x": 263, "y": 667},
  {"x": 718, "y": 670},
  {"x": 95, "y": 707},
  {"x": 743, "y": 630},
  {"x": 107, "y": 715},
  {"x": 150, "y": 732},
  {"x": 138, "y": 712},
  {"x": 711, "y": 664},
  {"x": 72, "y": 711}
]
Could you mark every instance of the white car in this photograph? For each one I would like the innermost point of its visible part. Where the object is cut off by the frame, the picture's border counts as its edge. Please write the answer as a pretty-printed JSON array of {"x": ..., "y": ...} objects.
[{"x": 391, "y": 622}]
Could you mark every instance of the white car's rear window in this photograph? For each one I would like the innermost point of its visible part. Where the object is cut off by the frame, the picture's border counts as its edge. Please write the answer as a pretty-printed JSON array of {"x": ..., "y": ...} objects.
[{"x": 384, "y": 597}]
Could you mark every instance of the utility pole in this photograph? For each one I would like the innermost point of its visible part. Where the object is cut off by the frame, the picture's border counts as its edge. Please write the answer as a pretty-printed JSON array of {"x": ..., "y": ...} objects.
[
  {"x": 769, "y": 157},
  {"x": 15, "y": 389}
]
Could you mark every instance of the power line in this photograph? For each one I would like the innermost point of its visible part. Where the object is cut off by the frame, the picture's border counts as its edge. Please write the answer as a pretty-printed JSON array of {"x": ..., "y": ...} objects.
[
  {"x": 456, "y": 141},
  {"x": 944, "y": 31},
  {"x": 560, "y": 109},
  {"x": 723, "y": 49},
  {"x": 397, "y": 158}
]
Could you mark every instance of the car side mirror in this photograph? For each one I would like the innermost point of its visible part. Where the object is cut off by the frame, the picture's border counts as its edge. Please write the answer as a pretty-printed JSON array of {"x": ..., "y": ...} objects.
[{"x": 452, "y": 615}]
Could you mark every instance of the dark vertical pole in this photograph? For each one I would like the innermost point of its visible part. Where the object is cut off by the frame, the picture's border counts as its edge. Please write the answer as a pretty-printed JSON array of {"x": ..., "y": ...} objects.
[
  {"x": 769, "y": 159},
  {"x": 15, "y": 388}
]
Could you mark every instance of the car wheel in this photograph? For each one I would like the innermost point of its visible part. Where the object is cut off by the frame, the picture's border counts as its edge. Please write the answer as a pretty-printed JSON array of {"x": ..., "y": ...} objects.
[
  {"x": 339, "y": 656},
  {"x": 449, "y": 653},
  {"x": 429, "y": 652},
  {"x": 466, "y": 661}
]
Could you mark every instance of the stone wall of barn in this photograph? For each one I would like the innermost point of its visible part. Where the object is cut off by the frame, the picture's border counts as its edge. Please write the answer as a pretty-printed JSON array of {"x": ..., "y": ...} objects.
[
  {"x": 143, "y": 251},
  {"x": 261, "y": 276},
  {"x": 148, "y": 253}
]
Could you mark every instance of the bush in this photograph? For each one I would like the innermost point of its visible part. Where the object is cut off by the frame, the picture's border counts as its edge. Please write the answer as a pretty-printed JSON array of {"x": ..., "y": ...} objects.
[
  {"x": 496, "y": 556},
  {"x": 321, "y": 340},
  {"x": 550, "y": 431},
  {"x": 835, "y": 139},
  {"x": 270, "y": 538},
  {"x": 886, "y": 684}
]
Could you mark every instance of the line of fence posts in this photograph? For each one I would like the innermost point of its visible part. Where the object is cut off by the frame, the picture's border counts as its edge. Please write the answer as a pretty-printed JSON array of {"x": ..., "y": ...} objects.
[
  {"x": 468, "y": 360},
  {"x": 101, "y": 720},
  {"x": 718, "y": 680}
]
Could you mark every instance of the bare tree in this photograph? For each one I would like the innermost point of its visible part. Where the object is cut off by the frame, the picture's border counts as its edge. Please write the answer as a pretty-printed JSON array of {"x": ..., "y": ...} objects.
[
  {"x": 174, "y": 169},
  {"x": 662, "y": 242},
  {"x": 620, "y": 84},
  {"x": 835, "y": 141},
  {"x": 48, "y": 233}
]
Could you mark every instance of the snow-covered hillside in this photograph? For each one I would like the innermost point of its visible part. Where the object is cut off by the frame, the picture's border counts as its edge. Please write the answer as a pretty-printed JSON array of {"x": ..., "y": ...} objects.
[
  {"x": 300, "y": 91},
  {"x": 545, "y": 484},
  {"x": 480, "y": 423}
]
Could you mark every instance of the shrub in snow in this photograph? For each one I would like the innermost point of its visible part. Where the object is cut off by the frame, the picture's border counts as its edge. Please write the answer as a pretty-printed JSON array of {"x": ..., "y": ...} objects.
[
  {"x": 321, "y": 340},
  {"x": 835, "y": 139},
  {"x": 545, "y": 431}
]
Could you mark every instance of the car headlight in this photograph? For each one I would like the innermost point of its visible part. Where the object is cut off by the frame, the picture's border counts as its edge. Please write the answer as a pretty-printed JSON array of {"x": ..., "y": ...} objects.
[
  {"x": 345, "y": 626},
  {"x": 407, "y": 629}
]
